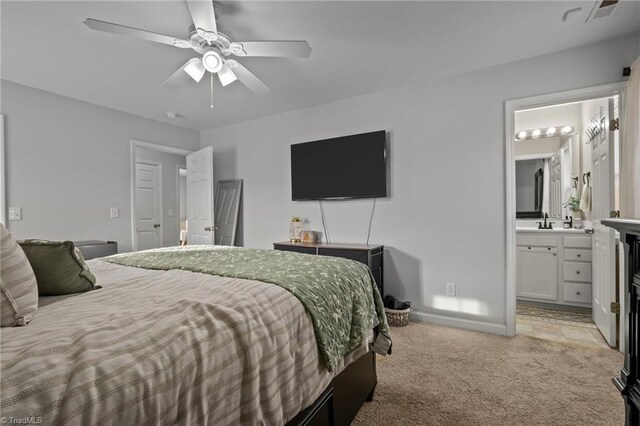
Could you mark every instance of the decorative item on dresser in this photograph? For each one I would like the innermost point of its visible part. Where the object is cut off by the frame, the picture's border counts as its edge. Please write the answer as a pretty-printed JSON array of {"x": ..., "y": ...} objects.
[
  {"x": 370, "y": 255},
  {"x": 628, "y": 383}
]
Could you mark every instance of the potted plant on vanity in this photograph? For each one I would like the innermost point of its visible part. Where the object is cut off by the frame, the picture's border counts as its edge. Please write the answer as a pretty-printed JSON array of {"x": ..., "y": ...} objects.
[{"x": 573, "y": 205}]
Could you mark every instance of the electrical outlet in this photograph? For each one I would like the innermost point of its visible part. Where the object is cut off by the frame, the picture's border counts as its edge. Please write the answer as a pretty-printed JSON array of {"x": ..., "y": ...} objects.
[
  {"x": 115, "y": 212},
  {"x": 451, "y": 289}
]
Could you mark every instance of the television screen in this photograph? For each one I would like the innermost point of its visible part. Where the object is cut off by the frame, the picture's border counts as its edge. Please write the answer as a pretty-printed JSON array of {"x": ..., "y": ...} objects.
[{"x": 345, "y": 167}]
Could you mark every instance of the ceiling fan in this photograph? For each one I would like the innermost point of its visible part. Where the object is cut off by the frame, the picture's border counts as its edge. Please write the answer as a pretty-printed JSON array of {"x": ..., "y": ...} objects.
[{"x": 213, "y": 47}]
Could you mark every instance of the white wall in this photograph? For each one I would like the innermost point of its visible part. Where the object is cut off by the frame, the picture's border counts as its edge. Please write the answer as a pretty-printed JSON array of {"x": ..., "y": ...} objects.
[
  {"x": 68, "y": 163},
  {"x": 444, "y": 220},
  {"x": 170, "y": 201}
]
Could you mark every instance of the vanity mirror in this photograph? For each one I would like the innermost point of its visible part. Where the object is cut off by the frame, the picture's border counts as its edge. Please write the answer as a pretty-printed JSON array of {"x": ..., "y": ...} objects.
[{"x": 546, "y": 180}]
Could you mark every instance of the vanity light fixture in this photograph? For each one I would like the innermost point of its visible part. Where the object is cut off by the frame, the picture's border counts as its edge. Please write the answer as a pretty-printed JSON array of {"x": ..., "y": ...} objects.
[{"x": 548, "y": 133}]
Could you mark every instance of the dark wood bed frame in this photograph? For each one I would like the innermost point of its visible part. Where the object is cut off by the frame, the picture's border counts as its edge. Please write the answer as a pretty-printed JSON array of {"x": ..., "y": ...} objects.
[{"x": 340, "y": 402}]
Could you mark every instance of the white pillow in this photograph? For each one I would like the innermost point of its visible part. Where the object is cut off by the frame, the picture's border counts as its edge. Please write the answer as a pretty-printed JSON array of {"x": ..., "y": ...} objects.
[{"x": 18, "y": 286}]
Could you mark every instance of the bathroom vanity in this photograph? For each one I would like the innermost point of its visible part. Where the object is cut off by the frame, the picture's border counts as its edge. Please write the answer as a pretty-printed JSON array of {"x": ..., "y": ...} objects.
[{"x": 554, "y": 266}]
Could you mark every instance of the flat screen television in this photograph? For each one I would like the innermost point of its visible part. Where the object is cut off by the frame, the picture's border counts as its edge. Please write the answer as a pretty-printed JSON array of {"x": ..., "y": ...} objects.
[{"x": 345, "y": 167}]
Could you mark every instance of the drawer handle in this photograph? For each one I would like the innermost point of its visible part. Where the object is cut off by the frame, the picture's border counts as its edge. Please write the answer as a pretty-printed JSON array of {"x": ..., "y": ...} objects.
[
  {"x": 578, "y": 272},
  {"x": 554, "y": 254},
  {"x": 578, "y": 255},
  {"x": 578, "y": 293}
]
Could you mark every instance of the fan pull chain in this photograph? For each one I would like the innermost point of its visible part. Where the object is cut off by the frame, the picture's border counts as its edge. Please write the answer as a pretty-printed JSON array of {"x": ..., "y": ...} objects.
[{"x": 211, "y": 74}]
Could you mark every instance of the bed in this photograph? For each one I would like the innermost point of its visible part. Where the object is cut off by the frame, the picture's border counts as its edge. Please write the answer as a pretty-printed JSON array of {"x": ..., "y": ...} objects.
[{"x": 167, "y": 344}]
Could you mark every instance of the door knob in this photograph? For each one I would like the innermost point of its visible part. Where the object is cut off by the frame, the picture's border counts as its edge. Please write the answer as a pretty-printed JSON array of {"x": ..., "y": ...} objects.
[
  {"x": 207, "y": 228},
  {"x": 156, "y": 225},
  {"x": 215, "y": 228}
]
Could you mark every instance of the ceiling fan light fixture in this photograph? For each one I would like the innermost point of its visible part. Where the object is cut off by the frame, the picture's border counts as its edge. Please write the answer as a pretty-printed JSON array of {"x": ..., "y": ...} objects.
[
  {"x": 212, "y": 61},
  {"x": 195, "y": 69}
]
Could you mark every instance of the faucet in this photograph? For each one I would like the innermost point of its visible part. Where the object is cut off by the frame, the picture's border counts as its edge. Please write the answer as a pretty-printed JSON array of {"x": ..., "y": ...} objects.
[{"x": 545, "y": 226}]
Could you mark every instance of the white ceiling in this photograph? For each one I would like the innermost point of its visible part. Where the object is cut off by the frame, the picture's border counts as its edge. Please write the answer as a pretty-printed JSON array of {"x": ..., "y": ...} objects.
[{"x": 358, "y": 47}]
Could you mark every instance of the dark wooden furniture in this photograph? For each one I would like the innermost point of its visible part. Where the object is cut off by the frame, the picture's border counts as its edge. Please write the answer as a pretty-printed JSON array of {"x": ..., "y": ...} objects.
[
  {"x": 93, "y": 248},
  {"x": 370, "y": 255},
  {"x": 340, "y": 402},
  {"x": 628, "y": 383}
]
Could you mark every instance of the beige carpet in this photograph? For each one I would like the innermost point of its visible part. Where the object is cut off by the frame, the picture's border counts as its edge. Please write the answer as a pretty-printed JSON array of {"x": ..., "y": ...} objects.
[{"x": 445, "y": 376}]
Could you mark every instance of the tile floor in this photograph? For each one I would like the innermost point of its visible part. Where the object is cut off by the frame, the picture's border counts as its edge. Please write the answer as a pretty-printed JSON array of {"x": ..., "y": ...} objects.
[{"x": 587, "y": 334}]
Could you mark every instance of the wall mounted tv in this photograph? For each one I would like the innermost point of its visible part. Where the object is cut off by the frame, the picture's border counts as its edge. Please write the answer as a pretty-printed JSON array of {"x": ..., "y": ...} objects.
[{"x": 345, "y": 167}]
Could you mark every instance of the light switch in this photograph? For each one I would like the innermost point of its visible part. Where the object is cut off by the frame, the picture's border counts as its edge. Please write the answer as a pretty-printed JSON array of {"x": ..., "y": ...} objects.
[
  {"x": 15, "y": 213},
  {"x": 115, "y": 212},
  {"x": 170, "y": 213}
]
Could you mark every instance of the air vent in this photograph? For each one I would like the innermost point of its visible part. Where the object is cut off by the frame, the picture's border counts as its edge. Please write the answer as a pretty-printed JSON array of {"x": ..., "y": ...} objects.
[{"x": 603, "y": 9}]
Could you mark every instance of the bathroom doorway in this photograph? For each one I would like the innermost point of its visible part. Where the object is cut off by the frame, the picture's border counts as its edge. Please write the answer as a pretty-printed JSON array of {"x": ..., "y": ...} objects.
[{"x": 562, "y": 179}]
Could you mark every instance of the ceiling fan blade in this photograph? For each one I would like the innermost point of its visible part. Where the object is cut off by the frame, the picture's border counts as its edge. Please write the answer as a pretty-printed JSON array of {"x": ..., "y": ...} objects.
[
  {"x": 299, "y": 49},
  {"x": 192, "y": 68},
  {"x": 247, "y": 78},
  {"x": 226, "y": 76},
  {"x": 109, "y": 27},
  {"x": 204, "y": 18}
]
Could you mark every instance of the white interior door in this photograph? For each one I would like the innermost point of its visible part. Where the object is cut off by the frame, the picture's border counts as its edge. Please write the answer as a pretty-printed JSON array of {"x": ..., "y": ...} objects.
[
  {"x": 148, "y": 206},
  {"x": 604, "y": 282},
  {"x": 200, "y": 227},
  {"x": 227, "y": 203}
]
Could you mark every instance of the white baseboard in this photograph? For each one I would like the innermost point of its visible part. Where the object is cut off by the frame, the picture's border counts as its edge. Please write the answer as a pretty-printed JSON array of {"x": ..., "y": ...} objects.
[{"x": 466, "y": 324}]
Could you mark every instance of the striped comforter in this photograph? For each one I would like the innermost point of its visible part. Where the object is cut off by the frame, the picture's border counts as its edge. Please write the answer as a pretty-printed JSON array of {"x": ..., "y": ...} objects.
[{"x": 163, "y": 347}]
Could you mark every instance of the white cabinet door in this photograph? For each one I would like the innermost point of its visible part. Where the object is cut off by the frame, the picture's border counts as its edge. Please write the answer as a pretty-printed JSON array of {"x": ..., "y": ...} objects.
[
  {"x": 537, "y": 276},
  {"x": 200, "y": 197}
]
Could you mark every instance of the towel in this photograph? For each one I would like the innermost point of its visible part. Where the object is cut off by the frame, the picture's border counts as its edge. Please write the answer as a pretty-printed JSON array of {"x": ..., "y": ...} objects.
[{"x": 585, "y": 200}]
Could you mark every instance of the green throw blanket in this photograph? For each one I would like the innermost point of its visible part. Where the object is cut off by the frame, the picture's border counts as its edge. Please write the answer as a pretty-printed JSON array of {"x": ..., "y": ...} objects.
[{"x": 339, "y": 294}]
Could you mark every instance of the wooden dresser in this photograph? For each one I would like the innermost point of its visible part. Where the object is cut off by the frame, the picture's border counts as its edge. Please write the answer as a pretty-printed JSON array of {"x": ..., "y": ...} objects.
[
  {"x": 370, "y": 255},
  {"x": 628, "y": 383}
]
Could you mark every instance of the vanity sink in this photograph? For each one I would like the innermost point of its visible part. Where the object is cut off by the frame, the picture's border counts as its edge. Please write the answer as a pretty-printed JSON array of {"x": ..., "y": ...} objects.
[{"x": 551, "y": 231}]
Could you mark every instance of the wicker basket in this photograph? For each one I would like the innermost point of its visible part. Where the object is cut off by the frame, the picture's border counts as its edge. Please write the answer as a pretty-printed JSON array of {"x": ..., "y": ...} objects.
[{"x": 397, "y": 318}]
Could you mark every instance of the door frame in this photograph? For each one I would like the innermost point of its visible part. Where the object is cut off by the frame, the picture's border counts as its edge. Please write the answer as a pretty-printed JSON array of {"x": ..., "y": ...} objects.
[
  {"x": 178, "y": 167},
  {"x": 133, "y": 144},
  {"x": 511, "y": 106}
]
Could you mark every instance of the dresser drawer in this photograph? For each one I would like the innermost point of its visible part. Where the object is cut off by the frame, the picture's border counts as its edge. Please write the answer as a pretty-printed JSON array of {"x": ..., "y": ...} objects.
[
  {"x": 577, "y": 271},
  {"x": 574, "y": 292},
  {"x": 580, "y": 255},
  {"x": 536, "y": 240},
  {"x": 578, "y": 242},
  {"x": 297, "y": 249},
  {"x": 357, "y": 255}
]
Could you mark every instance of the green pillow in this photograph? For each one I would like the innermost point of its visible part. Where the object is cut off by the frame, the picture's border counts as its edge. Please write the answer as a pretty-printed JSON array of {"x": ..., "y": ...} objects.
[{"x": 59, "y": 267}]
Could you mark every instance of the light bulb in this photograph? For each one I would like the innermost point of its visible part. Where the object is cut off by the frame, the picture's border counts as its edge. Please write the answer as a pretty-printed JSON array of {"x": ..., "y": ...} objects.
[
  {"x": 551, "y": 131},
  {"x": 536, "y": 133},
  {"x": 522, "y": 135},
  {"x": 212, "y": 61},
  {"x": 566, "y": 129}
]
